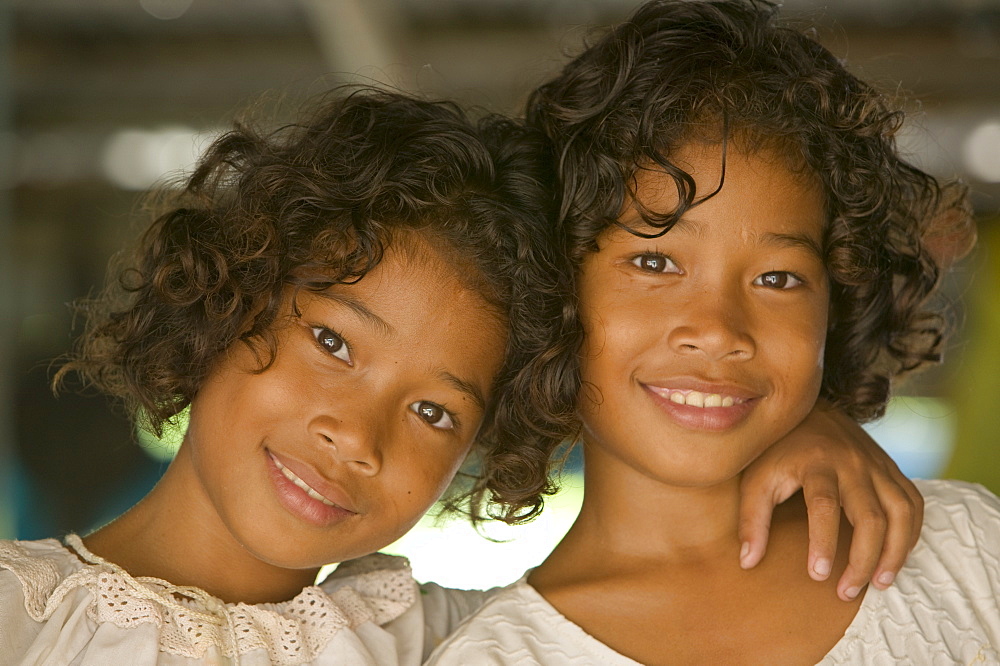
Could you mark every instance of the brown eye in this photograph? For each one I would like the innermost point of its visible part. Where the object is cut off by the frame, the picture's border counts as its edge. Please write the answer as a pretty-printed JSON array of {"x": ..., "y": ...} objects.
[
  {"x": 778, "y": 280},
  {"x": 655, "y": 263},
  {"x": 434, "y": 414},
  {"x": 332, "y": 343}
]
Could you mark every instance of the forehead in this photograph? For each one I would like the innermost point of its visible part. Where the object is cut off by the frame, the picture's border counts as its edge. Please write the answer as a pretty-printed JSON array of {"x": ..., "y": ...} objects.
[
  {"x": 414, "y": 311},
  {"x": 432, "y": 250},
  {"x": 752, "y": 184},
  {"x": 418, "y": 279}
]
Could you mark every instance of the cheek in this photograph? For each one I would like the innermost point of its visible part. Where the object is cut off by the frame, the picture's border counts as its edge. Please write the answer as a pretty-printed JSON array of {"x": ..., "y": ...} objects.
[
  {"x": 428, "y": 475},
  {"x": 805, "y": 352}
]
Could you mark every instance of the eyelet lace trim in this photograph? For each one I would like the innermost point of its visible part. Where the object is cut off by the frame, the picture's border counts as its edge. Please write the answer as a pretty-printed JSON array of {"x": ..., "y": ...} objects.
[{"x": 191, "y": 621}]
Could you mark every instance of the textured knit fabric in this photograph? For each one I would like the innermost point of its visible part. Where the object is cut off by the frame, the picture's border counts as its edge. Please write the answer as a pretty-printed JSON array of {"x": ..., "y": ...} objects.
[
  {"x": 63, "y": 605},
  {"x": 942, "y": 609}
]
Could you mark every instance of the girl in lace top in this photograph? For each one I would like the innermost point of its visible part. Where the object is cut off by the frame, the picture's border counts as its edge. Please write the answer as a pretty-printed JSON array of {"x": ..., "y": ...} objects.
[
  {"x": 346, "y": 307},
  {"x": 747, "y": 239}
]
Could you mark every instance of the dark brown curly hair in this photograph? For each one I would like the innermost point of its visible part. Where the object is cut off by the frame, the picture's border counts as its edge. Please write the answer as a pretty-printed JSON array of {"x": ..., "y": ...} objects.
[
  {"x": 315, "y": 204},
  {"x": 678, "y": 67}
]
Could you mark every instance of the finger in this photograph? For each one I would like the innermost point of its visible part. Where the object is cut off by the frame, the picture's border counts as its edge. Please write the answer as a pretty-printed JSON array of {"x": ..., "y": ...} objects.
[
  {"x": 756, "y": 510},
  {"x": 869, "y": 521},
  {"x": 916, "y": 502},
  {"x": 900, "y": 510},
  {"x": 918, "y": 512},
  {"x": 822, "y": 499}
]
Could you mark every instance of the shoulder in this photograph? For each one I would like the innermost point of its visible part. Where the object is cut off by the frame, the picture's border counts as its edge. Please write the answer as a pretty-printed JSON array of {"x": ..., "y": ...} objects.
[
  {"x": 960, "y": 515},
  {"x": 31, "y": 571},
  {"x": 945, "y": 492},
  {"x": 32, "y": 575},
  {"x": 943, "y": 606},
  {"x": 494, "y": 633},
  {"x": 377, "y": 587},
  {"x": 95, "y": 608},
  {"x": 959, "y": 546}
]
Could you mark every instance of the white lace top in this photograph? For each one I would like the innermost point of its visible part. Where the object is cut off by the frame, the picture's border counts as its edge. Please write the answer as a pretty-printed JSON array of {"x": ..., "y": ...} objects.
[
  {"x": 64, "y": 605},
  {"x": 942, "y": 609}
]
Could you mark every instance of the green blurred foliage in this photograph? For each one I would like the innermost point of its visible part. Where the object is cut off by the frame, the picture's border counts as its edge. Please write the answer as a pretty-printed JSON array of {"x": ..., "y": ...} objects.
[{"x": 977, "y": 383}]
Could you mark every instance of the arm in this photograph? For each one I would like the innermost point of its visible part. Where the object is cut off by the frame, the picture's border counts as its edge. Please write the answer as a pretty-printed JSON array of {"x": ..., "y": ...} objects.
[{"x": 835, "y": 463}]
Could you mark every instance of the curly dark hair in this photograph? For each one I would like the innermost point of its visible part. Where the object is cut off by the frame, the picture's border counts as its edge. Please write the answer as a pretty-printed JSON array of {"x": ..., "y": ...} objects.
[
  {"x": 316, "y": 203},
  {"x": 681, "y": 70}
]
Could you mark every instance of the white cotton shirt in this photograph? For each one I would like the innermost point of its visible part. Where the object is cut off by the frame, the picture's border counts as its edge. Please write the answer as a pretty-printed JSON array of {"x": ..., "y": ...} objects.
[
  {"x": 942, "y": 608},
  {"x": 62, "y": 605}
]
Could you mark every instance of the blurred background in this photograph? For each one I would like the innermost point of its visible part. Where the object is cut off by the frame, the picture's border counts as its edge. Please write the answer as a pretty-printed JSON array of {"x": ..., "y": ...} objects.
[{"x": 101, "y": 98}]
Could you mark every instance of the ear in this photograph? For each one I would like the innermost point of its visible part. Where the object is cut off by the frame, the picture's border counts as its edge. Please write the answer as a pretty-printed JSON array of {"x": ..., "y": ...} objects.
[{"x": 951, "y": 231}]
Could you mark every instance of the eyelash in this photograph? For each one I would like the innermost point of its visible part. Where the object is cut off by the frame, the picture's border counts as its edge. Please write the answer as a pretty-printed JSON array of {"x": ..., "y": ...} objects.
[
  {"x": 445, "y": 414},
  {"x": 343, "y": 347},
  {"x": 640, "y": 260},
  {"x": 787, "y": 274}
]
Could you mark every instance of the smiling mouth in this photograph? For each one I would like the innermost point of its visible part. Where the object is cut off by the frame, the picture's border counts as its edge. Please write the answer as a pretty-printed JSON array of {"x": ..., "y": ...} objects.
[
  {"x": 290, "y": 475},
  {"x": 697, "y": 398}
]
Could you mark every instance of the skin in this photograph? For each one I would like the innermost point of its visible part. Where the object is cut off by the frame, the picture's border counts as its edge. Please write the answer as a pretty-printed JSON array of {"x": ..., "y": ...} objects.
[
  {"x": 733, "y": 301},
  {"x": 839, "y": 468},
  {"x": 374, "y": 399}
]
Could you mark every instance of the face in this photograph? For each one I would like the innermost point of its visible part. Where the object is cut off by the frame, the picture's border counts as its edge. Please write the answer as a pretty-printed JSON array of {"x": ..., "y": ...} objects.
[
  {"x": 705, "y": 345},
  {"x": 372, "y": 403}
]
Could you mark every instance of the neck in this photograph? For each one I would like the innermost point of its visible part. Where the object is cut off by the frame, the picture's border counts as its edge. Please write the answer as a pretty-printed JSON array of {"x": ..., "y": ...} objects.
[
  {"x": 626, "y": 515},
  {"x": 175, "y": 534}
]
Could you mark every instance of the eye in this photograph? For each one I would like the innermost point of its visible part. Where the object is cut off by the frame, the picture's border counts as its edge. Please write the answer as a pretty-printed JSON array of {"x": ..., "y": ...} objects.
[
  {"x": 778, "y": 280},
  {"x": 655, "y": 263},
  {"x": 436, "y": 415},
  {"x": 332, "y": 343}
]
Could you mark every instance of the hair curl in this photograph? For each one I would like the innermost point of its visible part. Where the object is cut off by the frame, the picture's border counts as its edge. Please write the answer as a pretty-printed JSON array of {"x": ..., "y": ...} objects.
[
  {"x": 315, "y": 204},
  {"x": 681, "y": 70}
]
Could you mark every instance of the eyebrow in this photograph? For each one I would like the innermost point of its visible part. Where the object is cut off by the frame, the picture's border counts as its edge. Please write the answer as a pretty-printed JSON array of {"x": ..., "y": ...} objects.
[
  {"x": 362, "y": 311},
  {"x": 696, "y": 228},
  {"x": 793, "y": 240},
  {"x": 468, "y": 388}
]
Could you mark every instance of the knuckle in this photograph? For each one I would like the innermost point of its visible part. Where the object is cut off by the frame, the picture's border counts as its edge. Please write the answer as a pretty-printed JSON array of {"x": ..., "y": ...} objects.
[
  {"x": 824, "y": 505},
  {"x": 903, "y": 504},
  {"x": 871, "y": 519}
]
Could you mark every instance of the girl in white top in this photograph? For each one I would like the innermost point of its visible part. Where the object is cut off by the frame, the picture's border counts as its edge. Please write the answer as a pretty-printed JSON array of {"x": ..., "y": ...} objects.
[
  {"x": 747, "y": 240},
  {"x": 346, "y": 306}
]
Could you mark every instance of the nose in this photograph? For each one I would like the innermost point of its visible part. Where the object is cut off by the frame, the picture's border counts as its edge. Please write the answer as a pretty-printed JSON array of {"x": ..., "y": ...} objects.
[
  {"x": 354, "y": 443},
  {"x": 713, "y": 325}
]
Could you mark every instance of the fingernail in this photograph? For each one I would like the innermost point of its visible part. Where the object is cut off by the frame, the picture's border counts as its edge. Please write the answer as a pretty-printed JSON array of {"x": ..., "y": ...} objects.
[
  {"x": 822, "y": 566},
  {"x": 744, "y": 553},
  {"x": 852, "y": 592},
  {"x": 886, "y": 578}
]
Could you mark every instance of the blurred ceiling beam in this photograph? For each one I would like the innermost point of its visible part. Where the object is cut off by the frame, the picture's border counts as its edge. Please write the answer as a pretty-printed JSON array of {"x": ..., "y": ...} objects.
[{"x": 85, "y": 69}]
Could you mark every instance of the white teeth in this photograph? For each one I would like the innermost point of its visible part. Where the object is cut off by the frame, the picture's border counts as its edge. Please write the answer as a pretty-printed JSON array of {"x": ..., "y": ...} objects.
[
  {"x": 290, "y": 475},
  {"x": 699, "y": 399}
]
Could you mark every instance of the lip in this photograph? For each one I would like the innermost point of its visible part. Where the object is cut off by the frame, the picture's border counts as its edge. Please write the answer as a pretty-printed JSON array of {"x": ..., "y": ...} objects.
[
  {"x": 711, "y": 419},
  {"x": 298, "y": 502}
]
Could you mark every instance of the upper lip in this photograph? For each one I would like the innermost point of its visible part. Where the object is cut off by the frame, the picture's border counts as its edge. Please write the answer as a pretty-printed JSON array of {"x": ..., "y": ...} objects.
[
  {"x": 328, "y": 489},
  {"x": 690, "y": 383}
]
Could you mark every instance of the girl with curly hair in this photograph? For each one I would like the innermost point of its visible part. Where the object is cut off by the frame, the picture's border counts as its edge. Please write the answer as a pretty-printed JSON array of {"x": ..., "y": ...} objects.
[
  {"x": 747, "y": 240},
  {"x": 346, "y": 307}
]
